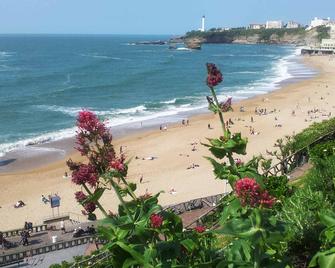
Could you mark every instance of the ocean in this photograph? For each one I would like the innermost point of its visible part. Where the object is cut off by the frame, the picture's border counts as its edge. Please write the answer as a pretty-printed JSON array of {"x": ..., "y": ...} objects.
[{"x": 45, "y": 80}]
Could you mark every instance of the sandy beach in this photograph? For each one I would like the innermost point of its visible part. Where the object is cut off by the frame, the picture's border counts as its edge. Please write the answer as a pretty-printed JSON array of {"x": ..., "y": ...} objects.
[{"x": 177, "y": 149}]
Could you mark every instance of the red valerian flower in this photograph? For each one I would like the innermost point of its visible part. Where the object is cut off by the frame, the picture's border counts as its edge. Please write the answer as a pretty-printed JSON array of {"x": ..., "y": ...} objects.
[
  {"x": 118, "y": 165},
  {"x": 90, "y": 207},
  {"x": 89, "y": 122},
  {"x": 85, "y": 174},
  {"x": 156, "y": 220},
  {"x": 200, "y": 229},
  {"x": 238, "y": 162},
  {"x": 80, "y": 196},
  {"x": 267, "y": 200},
  {"x": 249, "y": 192},
  {"x": 214, "y": 76}
]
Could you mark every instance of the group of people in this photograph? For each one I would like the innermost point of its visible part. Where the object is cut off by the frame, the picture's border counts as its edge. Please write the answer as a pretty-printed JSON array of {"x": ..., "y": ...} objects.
[
  {"x": 4, "y": 243},
  {"x": 19, "y": 204},
  {"x": 90, "y": 230}
]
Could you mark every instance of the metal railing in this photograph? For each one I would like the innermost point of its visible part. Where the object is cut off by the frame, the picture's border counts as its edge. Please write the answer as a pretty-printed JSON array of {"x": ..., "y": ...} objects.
[{"x": 16, "y": 232}]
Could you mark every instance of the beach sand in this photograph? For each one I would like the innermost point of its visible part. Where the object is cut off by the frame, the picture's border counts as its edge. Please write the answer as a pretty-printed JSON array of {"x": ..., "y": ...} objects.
[{"x": 174, "y": 152}]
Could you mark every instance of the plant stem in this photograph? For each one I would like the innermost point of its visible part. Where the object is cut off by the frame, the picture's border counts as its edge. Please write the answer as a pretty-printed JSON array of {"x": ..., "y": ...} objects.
[
  {"x": 219, "y": 111},
  {"x": 131, "y": 192},
  {"x": 97, "y": 202},
  {"x": 123, "y": 203}
]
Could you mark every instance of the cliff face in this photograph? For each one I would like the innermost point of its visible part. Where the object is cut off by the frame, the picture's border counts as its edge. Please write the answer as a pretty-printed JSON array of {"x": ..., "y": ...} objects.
[{"x": 271, "y": 36}]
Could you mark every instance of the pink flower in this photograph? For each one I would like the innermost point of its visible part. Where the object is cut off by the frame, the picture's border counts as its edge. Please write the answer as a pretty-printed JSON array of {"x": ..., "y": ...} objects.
[
  {"x": 214, "y": 76},
  {"x": 267, "y": 200},
  {"x": 89, "y": 122},
  {"x": 118, "y": 165},
  {"x": 156, "y": 220},
  {"x": 238, "y": 162},
  {"x": 250, "y": 193},
  {"x": 80, "y": 196},
  {"x": 90, "y": 207},
  {"x": 200, "y": 229},
  {"x": 85, "y": 174}
]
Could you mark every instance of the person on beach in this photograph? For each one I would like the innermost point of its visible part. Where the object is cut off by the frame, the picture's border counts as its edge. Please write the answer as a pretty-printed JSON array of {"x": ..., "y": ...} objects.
[
  {"x": 44, "y": 199},
  {"x": 19, "y": 204},
  {"x": 141, "y": 179},
  {"x": 62, "y": 227},
  {"x": 209, "y": 126}
]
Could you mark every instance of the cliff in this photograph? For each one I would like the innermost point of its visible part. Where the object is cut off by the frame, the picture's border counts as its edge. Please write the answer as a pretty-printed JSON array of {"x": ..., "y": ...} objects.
[{"x": 262, "y": 36}]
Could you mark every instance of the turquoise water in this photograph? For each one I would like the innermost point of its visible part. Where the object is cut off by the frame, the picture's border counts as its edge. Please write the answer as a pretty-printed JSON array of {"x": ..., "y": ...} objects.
[{"x": 45, "y": 80}]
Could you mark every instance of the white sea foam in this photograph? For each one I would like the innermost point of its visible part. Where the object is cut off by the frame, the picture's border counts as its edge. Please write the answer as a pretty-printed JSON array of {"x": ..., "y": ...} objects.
[
  {"x": 169, "y": 101},
  {"x": 40, "y": 139},
  {"x": 97, "y": 56}
]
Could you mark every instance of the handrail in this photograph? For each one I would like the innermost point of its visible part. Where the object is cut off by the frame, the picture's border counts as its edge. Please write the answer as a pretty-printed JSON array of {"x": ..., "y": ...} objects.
[{"x": 16, "y": 232}]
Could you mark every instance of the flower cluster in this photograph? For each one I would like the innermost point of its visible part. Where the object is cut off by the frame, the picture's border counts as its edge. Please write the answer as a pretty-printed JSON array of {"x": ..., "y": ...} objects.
[
  {"x": 85, "y": 173},
  {"x": 214, "y": 76},
  {"x": 200, "y": 229},
  {"x": 118, "y": 164},
  {"x": 156, "y": 220},
  {"x": 80, "y": 196},
  {"x": 90, "y": 207},
  {"x": 250, "y": 193},
  {"x": 89, "y": 122}
]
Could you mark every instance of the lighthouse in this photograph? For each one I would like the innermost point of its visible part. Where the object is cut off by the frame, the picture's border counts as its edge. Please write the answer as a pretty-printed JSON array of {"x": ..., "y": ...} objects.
[{"x": 202, "y": 29}]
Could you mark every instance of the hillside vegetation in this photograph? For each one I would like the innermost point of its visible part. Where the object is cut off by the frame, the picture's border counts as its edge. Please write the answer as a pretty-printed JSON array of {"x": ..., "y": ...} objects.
[{"x": 297, "y": 36}]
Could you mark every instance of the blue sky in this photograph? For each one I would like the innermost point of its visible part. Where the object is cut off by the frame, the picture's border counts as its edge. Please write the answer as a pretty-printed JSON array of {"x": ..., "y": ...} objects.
[{"x": 149, "y": 16}]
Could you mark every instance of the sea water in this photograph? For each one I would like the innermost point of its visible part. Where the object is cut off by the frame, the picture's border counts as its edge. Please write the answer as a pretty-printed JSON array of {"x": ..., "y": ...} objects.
[{"x": 45, "y": 80}]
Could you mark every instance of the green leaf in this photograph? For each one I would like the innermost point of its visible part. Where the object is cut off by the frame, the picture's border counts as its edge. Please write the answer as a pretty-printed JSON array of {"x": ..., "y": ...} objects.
[
  {"x": 324, "y": 259},
  {"x": 95, "y": 196},
  {"x": 328, "y": 218},
  {"x": 189, "y": 244},
  {"x": 136, "y": 255}
]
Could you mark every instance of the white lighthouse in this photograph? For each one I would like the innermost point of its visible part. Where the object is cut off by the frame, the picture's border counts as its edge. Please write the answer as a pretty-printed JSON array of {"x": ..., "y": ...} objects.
[{"x": 202, "y": 29}]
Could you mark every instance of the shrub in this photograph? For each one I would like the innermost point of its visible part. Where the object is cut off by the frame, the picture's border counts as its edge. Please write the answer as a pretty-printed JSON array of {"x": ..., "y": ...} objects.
[
  {"x": 278, "y": 186},
  {"x": 322, "y": 151},
  {"x": 312, "y": 133},
  {"x": 321, "y": 177},
  {"x": 301, "y": 213}
]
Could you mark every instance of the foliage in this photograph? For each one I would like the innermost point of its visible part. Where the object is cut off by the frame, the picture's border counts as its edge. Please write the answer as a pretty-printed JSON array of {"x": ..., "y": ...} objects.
[
  {"x": 300, "y": 212},
  {"x": 320, "y": 178},
  {"x": 264, "y": 35},
  {"x": 325, "y": 258},
  {"x": 278, "y": 186},
  {"x": 310, "y": 134},
  {"x": 322, "y": 151},
  {"x": 323, "y": 32}
]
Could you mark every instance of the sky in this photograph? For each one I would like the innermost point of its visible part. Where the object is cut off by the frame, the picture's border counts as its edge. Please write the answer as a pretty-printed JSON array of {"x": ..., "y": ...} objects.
[{"x": 150, "y": 16}]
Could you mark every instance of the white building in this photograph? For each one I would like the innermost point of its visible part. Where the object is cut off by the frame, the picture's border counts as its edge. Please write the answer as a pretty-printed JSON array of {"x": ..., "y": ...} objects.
[
  {"x": 292, "y": 25},
  {"x": 274, "y": 24},
  {"x": 328, "y": 44},
  {"x": 202, "y": 29},
  {"x": 316, "y": 22},
  {"x": 256, "y": 26}
]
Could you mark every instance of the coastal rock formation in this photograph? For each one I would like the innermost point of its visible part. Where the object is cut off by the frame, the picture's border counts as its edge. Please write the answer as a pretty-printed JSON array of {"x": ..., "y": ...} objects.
[{"x": 262, "y": 36}]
